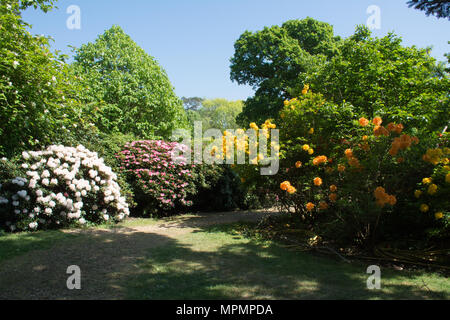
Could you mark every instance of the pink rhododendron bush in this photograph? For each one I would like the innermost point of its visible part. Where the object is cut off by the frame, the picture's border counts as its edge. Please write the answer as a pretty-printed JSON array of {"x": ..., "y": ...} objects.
[
  {"x": 163, "y": 183},
  {"x": 61, "y": 186}
]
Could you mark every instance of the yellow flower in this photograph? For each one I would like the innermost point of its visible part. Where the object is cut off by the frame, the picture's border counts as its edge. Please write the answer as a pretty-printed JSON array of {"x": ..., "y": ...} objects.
[
  {"x": 424, "y": 208},
  {"x": 438, "y": 215},
  {"x": 253, "y": 126},
  {"x": 426, "y": 180},
  {"x": 311, "y": 131},
  {"x": 432, "y": 189},
  {"x": 305, "y": 147},
  {"x": 298, "y": 164},
  {"x": 417, "y": 193},
  {"x": 311, "y": 151}
]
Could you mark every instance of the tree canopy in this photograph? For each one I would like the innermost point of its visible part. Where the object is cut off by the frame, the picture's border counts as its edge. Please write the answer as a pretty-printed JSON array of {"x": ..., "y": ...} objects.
[
  {"x": 438, "y": 8},
  {"x": 276, "y": 58},
  {"x": 38, "y": 100},
  {"x": 133, "y": 92},
  {"x": 216, "y": 113},
  {"x": 379, "y": 76}
]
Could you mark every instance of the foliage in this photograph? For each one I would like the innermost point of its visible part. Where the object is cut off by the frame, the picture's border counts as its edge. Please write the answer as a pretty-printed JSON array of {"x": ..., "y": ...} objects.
[
  {"x": 38, "y": 102},
  {"x": 438, "y": 8},
  {"x": 133, "y": 92},
  {"x": 379, "y": 76},
  {"x": 217, "y": 114},
  {"x": 63, "y": 186},
  {"x": 276, "y": 58}
]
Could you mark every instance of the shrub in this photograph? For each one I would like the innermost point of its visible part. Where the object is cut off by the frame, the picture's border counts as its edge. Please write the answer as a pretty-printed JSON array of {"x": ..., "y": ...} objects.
[
  {"x": 162, "y": 185},
  {"x": 63, "y": 186},
  {"x": 347, "y": 175}
]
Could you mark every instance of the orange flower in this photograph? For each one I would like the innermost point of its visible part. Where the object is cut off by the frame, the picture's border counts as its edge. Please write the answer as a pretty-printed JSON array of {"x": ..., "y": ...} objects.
[
  {"x": 380, "y": 131},
  {"x": 341, "y": 168},
  {"x": 323, "y": 205},
  {"x": 310, "y": 206},
  {"x": 415, "y": 140},
  {"x": 391, "y": 127},
  {"x": 365, "y": 138},
  {"x": 317, "y": 181},
  {"x": 332, "y": 197},
  {"x": 349, "y": 153},
  {"x": 353, "y": 162},
  {"x": 377, "y": 121},
  {"x": 291, "y": 190},
  {"x": 333, "y": 188},
  {"x": 319, "y": 160},
  {"x": 285, "y": 185},
  {"x": 298, "y": 164},
  {"x": 363, "y": 122},
  {"x": 399, "y": 128}
]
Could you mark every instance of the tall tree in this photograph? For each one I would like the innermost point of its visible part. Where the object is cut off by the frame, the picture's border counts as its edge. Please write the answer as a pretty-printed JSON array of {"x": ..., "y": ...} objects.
[
  {"x": 133, "y": 90},
  {"x": 276, "y": 58},
  {"x": 438, "y": 8},
  {"x": 38, "y": 103},
  {"x": 379, "y": 76}
]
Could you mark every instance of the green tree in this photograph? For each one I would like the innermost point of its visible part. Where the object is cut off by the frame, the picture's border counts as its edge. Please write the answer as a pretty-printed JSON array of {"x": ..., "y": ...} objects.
[
  {"x": 276, "y": 58},
  {"x": 216, "y": 113},
  {"x": 379, "y": 76},
  {"x": 133, "y": 91},
  {"x": 38, "y": 102},
  {"x": 438, "y": 8}
]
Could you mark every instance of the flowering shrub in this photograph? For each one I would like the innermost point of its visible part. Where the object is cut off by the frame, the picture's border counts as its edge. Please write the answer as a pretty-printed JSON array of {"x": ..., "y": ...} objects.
[
  {"x": 61, "y": 186},
  {"x": 346, "y": 173},
  {"x": 433, "y": 191},
  {"x": 160, "y": 183}
]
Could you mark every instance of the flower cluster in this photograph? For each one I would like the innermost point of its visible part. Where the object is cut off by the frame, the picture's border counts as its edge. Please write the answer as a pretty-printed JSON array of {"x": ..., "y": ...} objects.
[
  {"x": 383, "y": 198},
  {"x": 63, "y": 185},
  {"x": 160, "y": 172}
]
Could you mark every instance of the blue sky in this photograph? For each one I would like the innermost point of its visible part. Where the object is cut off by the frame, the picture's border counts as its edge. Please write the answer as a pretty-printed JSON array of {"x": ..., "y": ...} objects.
[{"x": 193, "y": 39}]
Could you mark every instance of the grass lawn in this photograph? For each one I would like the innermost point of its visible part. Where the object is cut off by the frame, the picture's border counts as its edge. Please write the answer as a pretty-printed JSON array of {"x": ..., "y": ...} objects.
[{"x": 215, "y": 262}]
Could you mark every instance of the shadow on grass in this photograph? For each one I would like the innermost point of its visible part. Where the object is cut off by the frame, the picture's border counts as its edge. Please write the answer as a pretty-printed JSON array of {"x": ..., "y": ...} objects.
[
  {"x": 230, "y": 267},
  {"x": 104, "y": 257}
]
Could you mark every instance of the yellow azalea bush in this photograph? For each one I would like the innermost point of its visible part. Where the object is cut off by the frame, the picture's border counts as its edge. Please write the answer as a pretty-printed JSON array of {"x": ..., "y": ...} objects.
[{"x": 432, "y": 194}]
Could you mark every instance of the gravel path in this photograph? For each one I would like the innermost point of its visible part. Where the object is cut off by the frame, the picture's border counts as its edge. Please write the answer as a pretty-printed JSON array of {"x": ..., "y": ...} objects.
[{"x": 105, "y": 257}]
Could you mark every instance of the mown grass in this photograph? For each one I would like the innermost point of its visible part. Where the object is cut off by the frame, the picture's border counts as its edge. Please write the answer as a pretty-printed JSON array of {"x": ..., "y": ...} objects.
[{"x": 218, "y": 263}]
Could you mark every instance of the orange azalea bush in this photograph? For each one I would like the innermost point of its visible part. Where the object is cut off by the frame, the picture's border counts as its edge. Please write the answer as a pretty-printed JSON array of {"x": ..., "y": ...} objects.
[{"x": 353, "y": 174}]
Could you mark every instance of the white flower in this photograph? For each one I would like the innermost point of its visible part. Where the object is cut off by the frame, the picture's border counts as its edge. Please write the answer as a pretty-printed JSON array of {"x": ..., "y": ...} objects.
[
  {"x": 15, "y": 64},
  {"x": 106, "y": 217},
  {"x": 33, "y": 225},
  {"x": 82, "y": 221}
]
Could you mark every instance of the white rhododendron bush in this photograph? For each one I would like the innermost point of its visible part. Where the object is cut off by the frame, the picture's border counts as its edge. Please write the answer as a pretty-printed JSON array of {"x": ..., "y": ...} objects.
[{"x": 62, "y": 186}]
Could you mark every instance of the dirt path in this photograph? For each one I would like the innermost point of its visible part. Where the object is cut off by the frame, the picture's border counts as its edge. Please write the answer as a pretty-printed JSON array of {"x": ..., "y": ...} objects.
[{"x": 105, "y": 256}]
